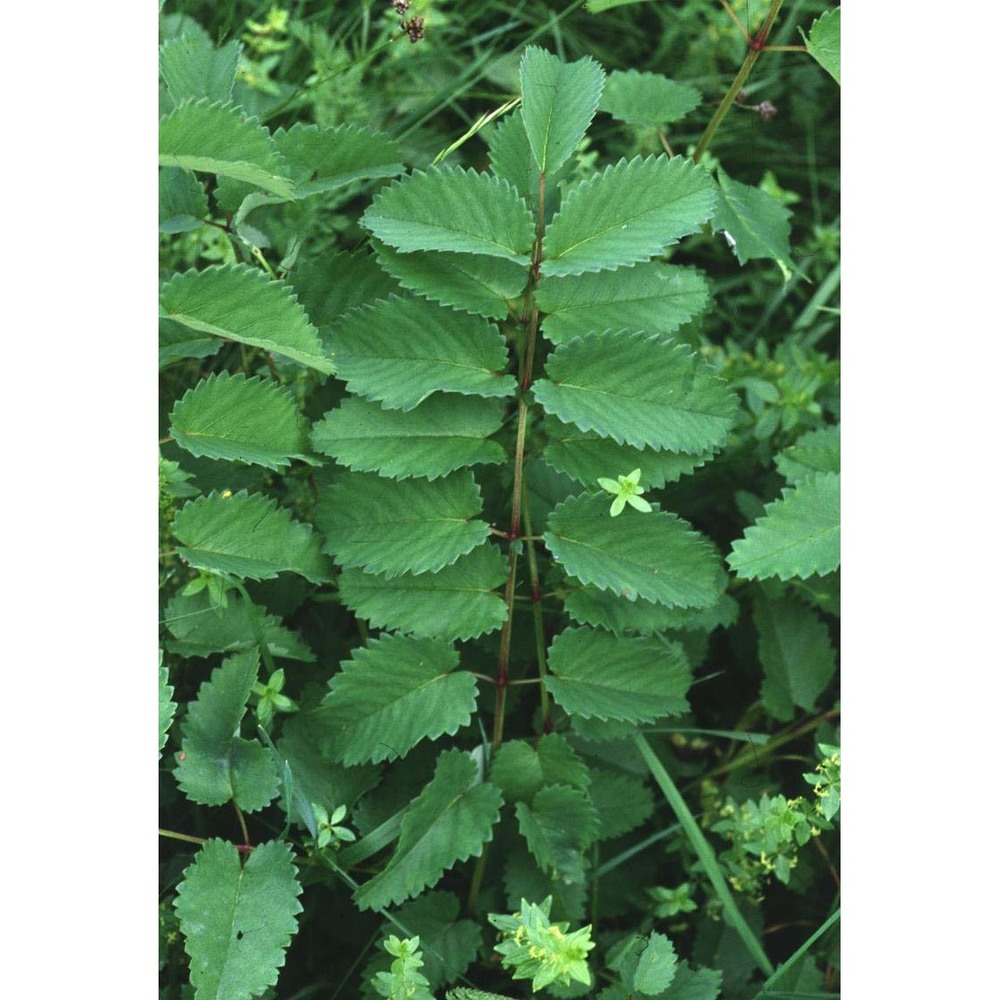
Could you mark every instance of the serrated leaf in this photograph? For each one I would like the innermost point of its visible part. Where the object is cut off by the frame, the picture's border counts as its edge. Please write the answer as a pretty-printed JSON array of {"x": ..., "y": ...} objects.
[
  {"x": 249, "y": 536},
  {"x": 657, "y": 556},
  {"x": 799, "y": 535},
  {"x": 452, "y": 209},
  {"x": 393, "y": 694},
  {"x": 593, "y": 673},
  {"x": 629, "y": 213},
  {"x": 240, "y": 303},
  {"x": 448, "y": 822},
  {"x": 330, "y": 285},
  {"x": 758, "y": 224},
  {"x": 457, "y": 602},
  {"x": 474, "y": 283},
  {"x": 462, "y": 993},
  {"x": 640, "y": 389},
  {"x": 219, "y": 139},
  {"x": 399, "y": 351},
  {"x": 183, "y": 204},
  {"x": 177, "y": 341},
  {"x": 652, "y": 297},
  {"x": 413, "y": 526},
  {"x": 649, "y": 99},
  {"x": 524, "y": 879},
  {"x": 558, "y": 101},
  {"x": 444, "y": 433},
  {"x": 557, "y": 825},
  {"x": 657, "y": 965},
  {"x": 622, "y": 802},
  {"x": 795, "y": 651},
  {"x": 511, "y": 160},
  {"x": 241, "y": 420},
  {"x": 816, "y": 451},
  {"x": 823, "y": 42},
  {"x": 215, "y": 764},
  {"x": 167, "y": 707},
  {"x": 238, "y": 920},
  {"x": 192, "y": 68},
  {"x": 521, "y": 768}
]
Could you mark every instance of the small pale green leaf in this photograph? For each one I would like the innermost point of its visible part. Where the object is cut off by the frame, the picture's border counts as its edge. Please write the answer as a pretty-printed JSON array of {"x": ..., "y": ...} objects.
[
  {"x": 167, "y": 707},
  {"x": 452, "y": 209},
  {"x": 401, "y": 350},
  {"x": 799, "y": 535},
  {"x": 183, "y": 203},
  {"x": 657, "y": 556},
  {"x": 242, "y": 420},
  {"x": 557, "y": 825},
  {"x": 413, "y": 526},
  {"x": 240, "y": 303},
  {"x": 622, "y": 802},
  {"x": 640, "y": 389},
  {"x": 648, "y": 99},
  {"x": 238, "y": 921},
  {"x": 448, "y": 822},
  {"x": 629, "y": 213},
  {"x": 593, "y": 673},
  {"x": 521, "y": 768},
  {"x": 557, "y": 104},
  {"x": 392, "y": 694},
  {"x": 249, "y": 536},
  {"x": 656, "y": 966},
  {"x": 823, "y": 42},
  {"x": 758, "y": 224},
  {"x": 192, "y": 68},
  {"x": 444, "y": 433},
  {"x": 816, "y": 451}
]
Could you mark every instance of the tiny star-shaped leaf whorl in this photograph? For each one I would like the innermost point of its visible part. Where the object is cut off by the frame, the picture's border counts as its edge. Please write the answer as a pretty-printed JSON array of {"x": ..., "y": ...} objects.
[{"x": 625, "y": 491}]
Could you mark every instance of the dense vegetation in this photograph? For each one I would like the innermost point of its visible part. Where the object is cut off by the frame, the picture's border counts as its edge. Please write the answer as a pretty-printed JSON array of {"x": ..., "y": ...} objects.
[{"x": 499, "y": 493}]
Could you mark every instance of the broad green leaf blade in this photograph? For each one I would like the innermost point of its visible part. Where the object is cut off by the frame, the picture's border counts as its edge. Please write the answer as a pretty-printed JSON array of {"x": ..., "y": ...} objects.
[
  {"x": 758, "y": 224},
  {"x": 238, "y": 921},
  {"x": 444, "y": 433},
  {"x": 816, "y": 451},
  {"x": 219, "y": 139},
  {"x": 413, "y": 526},
  {"x": 215, "y": 765},
  {"x": 248, "y": 536},
  {"x": 823, "y": 42},
  {"x": 799, "y": 534},
  {"x": 330, "y": 285},
  {"x": 652, "y": 297},
  {"x": 595, "y": 674},
  {"x": 177, "y": 342},
  {"x": 557, "y": 825},
  {"x": 451, "y": 209},
  {"x": 523, "y": 879},
  {"x": 393, "y": 694},
  {"x": 640, "y": 389},
  {"x": 240, "y": 303},
  {"x": 657, "y": 965},
  {"x": 648, "y": 99},
  {"x": 474, "y": 283},
  {"x": 795, "y": 651},
  {"x": 401, "y": 350},
  {"x": 241, "y": 420},
  {"x": 192, "y": 68},
  {"x": 557, "y": 104},
  {"x": 623, "y": 803},
  {"x": 183, "y": 204},
  {"x": 687, "y": 984},
  {"x": 448, "y": 822},
  {"x": 167, "y": 707},
  {"x": 657, "y": 556},
  {"x": 521, "y": 768},
  {"x": 457, "y": 602},
  {"x": 629, "y": 213}
]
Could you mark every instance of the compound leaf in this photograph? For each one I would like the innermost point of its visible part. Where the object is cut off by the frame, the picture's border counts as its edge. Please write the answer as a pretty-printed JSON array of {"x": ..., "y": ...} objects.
[
  {"x": 399, "y": 351},
  {"x": 657, "y": 555},
  {"x": 240, "y": 303},
  {"x": 631, "y": 212},
  {"x": 823, "y": 42},
  {"x": 557, "y": 825},
  {"x": 521, "y": 768},
  {"x": 249, "y": 536},
  {"x": 449, "y": 821},
  {"x": 413, "y": 526},
  {"x": 816, "y": 451},
  {"x": 394, "y": 693},
  {"x": 593, "y": 673},
  {"x": 640, "y": 389},
  {"x": 238, "y": 921},
  {"x": 647, "y": 98},
  {"x": 758, "y": 224},
  {"x": 799, "y": 535},
  {"x": 193, "y": 68}
]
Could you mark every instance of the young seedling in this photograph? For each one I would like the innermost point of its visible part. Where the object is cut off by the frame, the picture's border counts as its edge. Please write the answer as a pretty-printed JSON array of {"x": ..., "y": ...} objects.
[{"x": 625, "y": 491}]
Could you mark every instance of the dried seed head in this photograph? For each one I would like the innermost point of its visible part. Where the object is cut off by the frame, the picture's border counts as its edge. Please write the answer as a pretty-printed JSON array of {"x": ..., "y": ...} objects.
[
  {"x": 400, "y": 6},
  {"x": 766, "y": 110},
  {"x": 414, "y": 28}
]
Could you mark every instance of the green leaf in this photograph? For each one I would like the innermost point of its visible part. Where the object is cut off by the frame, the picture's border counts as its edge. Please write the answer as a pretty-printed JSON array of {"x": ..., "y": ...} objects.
[
  {"x": 816, "y": 451},
  {"x": 451, "y": 209},
  {"x": 238, "y": 921},
  {"x": 192, "y": 68},
  {"x": 799, "y": 535},
  {"x": 215, "y": 764},
  {"x": 648, "y": 99},
  {"x": 557, "y": 104},
  {"x": 523, "y": 879},
  {"x": 656, "y": 966},
  {"x": 796, "y": 654},
  {"x": 622, "y": 802},
  {"x": 167, "y": 707},
  {"x": 461, "y": 993},
  {"x": 521, "y": 768},
  {"x": 705, "y": 984},
  {"x": 592, "y": 673},
  {"x": 444, "y": 433},
  {"x": 413, "y": 526},
  {"x": 631, "y": 212},
  {"x": 557, "y": 825},
  {"x": 329, "y": 285},
  {"x": 393, "y": 694},
  {"x": 183, "y": 204},
  {"x": 457, "y": 602},
  {"x": 600, "y": 6},
  {"x": 177, "y": 341},
  {"x": 240, "y": 303},
  {"x": 823, "y": 42},
  {"x": 449, "y": 821},
  {"x": 652, "y": 297},
  {"x": 640, "y": 389},
  {"x": 401, "y": 350},
  {"x": 241, "y": 420},
  {"x": 657, "y": 556},
  {"x": 219, "y": 139},
  {"x": 758, "y": 224}
]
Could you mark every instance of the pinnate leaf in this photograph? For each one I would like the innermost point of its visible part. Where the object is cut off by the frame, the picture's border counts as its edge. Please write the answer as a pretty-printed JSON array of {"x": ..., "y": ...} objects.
[
  {"x": 758, "y": 224},
  {"x": 512, "y": 160},
  {"x": 238, "y": 920},
  {"x": 649, "y": 99}
]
